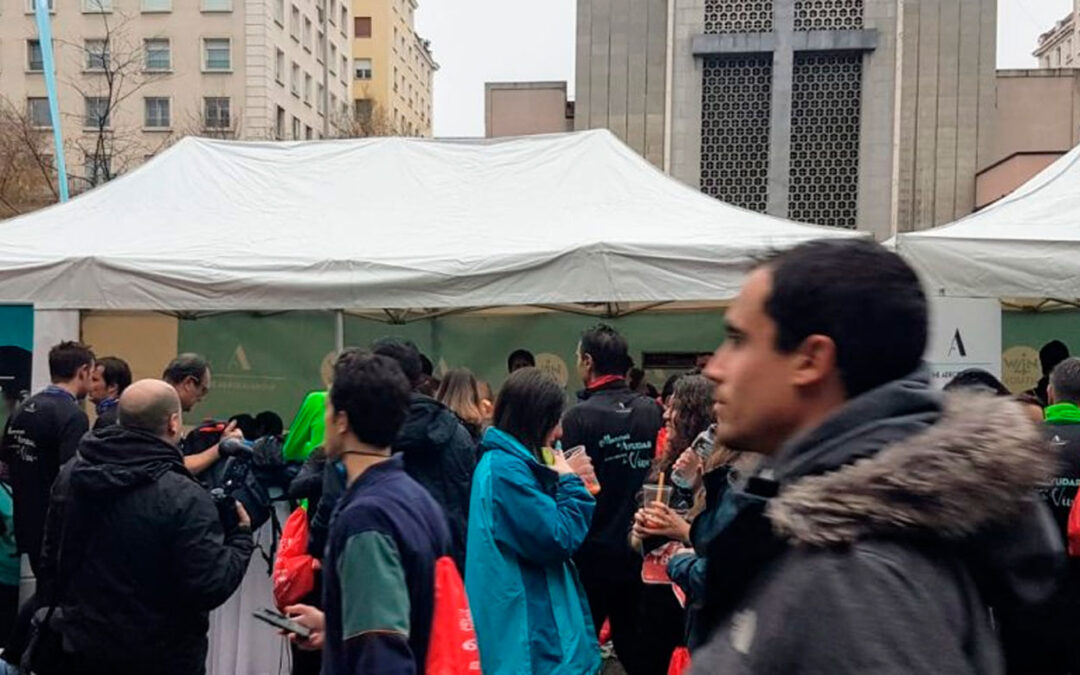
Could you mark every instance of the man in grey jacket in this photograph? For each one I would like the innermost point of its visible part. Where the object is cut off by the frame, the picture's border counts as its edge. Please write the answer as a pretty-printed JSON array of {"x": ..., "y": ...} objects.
[{"x": 888, "y": 518}]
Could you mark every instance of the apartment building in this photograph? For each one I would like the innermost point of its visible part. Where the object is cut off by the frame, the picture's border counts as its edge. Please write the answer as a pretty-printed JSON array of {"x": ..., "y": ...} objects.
[
  {"x": 135, "y": 75},
  {"x": 393, "y": 68}
]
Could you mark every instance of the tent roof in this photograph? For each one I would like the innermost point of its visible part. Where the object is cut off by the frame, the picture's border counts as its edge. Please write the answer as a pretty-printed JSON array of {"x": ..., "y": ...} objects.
[
  {"x": 387, "y": 223},
  {"x": 1025, "y": 245}
]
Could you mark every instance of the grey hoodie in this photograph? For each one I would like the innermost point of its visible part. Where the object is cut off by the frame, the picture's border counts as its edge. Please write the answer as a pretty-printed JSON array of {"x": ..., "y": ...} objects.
[{"x": 881, "y": 539}]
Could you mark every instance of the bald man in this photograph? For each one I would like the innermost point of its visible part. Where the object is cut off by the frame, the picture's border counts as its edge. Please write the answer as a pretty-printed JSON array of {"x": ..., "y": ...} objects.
[{"x": 143, "y": 554}]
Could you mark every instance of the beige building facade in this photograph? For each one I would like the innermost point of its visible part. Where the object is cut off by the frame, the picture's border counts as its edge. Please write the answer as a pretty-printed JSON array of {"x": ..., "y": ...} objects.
[
  {"x": 525, "y": 108},
  {"x": 1059, "y": 47},
  {"x": 135, "y": 75},
  {"x": 1037, "y": 120},
  {"x": 393, "y": 68}
]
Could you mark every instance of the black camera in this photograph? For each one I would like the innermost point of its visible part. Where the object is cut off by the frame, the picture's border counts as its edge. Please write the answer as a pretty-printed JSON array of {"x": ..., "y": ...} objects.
[{"x": 231, "y": 480}]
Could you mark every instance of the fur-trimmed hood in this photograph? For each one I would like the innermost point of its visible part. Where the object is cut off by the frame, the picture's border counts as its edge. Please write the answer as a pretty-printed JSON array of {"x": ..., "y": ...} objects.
[{"x": 974, "y": 467}]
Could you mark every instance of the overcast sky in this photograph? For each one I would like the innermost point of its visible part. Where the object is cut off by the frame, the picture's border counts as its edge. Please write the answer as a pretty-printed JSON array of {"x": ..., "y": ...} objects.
[{"x": 477, "y": 41}]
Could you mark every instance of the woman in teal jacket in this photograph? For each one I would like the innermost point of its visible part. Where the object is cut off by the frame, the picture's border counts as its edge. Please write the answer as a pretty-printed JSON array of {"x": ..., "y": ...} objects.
[{"x": 526, "y": 520}]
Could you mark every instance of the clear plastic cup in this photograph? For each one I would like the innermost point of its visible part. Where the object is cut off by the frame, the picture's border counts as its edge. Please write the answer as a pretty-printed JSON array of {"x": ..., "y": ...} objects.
[
  {"x": 572, "y": 457},
  {"x": 652, "y": 493}
]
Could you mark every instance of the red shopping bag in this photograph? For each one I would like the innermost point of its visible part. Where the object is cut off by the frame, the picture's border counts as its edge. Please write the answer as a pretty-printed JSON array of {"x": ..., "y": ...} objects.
[
  {"x": 294, "y": 569},
  {"x": 1073, "y": 531},
  {"x": 680, "y": 661},
  {"x": 452, "y": 648}
]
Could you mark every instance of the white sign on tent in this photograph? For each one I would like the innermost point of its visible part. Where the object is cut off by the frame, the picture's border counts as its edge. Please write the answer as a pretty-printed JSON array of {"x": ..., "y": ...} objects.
[{"x": 964, "y": 333}]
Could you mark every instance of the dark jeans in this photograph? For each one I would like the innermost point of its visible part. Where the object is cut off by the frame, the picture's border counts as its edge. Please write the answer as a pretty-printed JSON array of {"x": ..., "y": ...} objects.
[{"x": 616, "y": 600}]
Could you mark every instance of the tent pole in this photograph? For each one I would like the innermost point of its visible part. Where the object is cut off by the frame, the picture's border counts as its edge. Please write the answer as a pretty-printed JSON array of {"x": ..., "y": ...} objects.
[{"x": 339, "y": 331}]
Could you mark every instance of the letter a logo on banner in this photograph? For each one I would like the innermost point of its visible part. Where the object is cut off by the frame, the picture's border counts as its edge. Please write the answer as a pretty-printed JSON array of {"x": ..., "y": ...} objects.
[
  {"x": 957, "y": 344},
  {"x": 240, "y": 359}
]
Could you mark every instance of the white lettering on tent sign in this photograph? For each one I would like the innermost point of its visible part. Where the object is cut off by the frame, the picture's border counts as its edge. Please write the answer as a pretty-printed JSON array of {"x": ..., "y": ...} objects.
[{"x": 964, "y": 333}]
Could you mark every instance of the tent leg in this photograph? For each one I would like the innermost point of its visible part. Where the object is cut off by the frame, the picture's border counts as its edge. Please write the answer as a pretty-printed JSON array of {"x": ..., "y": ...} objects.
[{"x": 339, "y": 331}]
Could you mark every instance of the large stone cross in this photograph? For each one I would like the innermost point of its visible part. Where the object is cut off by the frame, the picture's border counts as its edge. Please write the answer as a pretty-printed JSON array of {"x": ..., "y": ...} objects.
[{"x": 782, "y": 42}]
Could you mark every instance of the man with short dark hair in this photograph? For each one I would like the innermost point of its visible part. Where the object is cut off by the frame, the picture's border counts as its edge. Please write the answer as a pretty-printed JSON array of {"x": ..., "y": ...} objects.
[
  {"x": 111, "y": 377},
  {"x": 439, "y": 452},
  {"x": 135, "y": 554},
  {"x": 1056, "y": 651},
  {"x": 41, "y": 435},
  {"x": 887, "y": 516},
  {"x": 189, "y": 374},
  {"x": 387, "y": 533},
  {"x": 618, "y": 428},
  {"x": 1050, "y": 354},
  {"x": 520, "y": 358}
]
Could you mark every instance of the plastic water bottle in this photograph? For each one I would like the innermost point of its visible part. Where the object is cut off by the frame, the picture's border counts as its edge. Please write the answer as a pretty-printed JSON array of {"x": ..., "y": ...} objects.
[{"x": 703, "y": 447}]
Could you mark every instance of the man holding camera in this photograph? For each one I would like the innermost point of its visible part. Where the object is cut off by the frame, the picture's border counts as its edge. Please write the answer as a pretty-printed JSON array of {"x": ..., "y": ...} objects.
[
  {"x": 189, "y": 375},
  {"x": 135, "y": 553}
]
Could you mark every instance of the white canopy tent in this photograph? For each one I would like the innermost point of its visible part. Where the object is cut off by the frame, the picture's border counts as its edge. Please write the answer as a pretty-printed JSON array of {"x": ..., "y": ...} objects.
[
  {"x": 1026, "y": 245},
  {"x": 387, "y": 223}
]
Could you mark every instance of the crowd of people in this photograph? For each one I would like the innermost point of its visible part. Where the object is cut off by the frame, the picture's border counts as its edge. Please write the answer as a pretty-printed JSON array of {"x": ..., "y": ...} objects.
[{"x": 804, "y": 501}]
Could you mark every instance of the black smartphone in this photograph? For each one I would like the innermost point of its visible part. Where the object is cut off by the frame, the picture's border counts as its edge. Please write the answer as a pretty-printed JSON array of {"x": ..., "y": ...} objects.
[{"x": 278, "y": 620}]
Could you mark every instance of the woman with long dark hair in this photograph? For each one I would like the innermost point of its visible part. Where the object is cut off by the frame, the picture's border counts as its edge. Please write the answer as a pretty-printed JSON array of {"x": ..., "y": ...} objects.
[
  {"x": 528, "y": 515},
  {"x": 688, "y": 415}
]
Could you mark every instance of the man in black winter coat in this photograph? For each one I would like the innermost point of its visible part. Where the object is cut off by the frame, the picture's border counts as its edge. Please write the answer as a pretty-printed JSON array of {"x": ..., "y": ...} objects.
[
  {"x": 135, "y": 553},
  {"x": 618, "y": 428},
  {"x": 886, "y": 517},
  {"x": 439, "y": 452}
]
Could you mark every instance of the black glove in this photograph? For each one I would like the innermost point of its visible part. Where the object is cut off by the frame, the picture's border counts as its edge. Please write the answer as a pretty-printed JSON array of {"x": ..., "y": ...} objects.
[{"x": 226, "y": 506}]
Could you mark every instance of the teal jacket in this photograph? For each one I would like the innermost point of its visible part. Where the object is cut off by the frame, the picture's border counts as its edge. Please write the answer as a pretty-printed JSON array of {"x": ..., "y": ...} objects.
[{"x": 525, "y": 523}]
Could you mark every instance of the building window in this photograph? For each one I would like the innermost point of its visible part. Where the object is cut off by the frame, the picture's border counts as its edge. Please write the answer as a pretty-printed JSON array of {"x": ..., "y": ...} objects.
[
  {"x": 395, "y": 78},
  {"x": 294, "y": 81},
  {"x": 362, "y": 109},
  {"x": 294, "y": 24},
  {"x": 307, "y": 88},
  {"x": 826, "y": 104},
  {"x": 344, "y": 20},
  {"x": 97, "y": 6},
  {"x": 34, "y": 60},
  {"x": 279, "y": 124},
  {"x": 216, "y": 54},
  {"x": 320, "y": 99},
  {"x": 344, "y": 69},
  {"x": 33, "y": 6},
  {"x": 394, "y": 43},
  {"x": 363, "y": 69},
  {"x": 97, "y": 54},
  {"x": 97, "y": 112},
  {"x": 295, "y": 128},
  {"x": 216, "y": 112},
  {"x": 158, "y": 54},
  {"x": 157, "y": 5},
  {"x": 736, "y": 94},
  {"x": 333, "y": 104},
  {"x": 279, "y": 67},
  {"x": 333, "y": 59},
  {"x": 333, "y": 11},
  {"x": 157, "y": 113},
  {"x": 95, "y": 168},
  {"x": 307, "y": 33},
  {"x": 217, "y": 5},
  {"x": 362, "y": 27},
  {"x": 37, "y": 109},
  {"x": 279, "y": 12},
  {"x": 307, "y": 133},
  {"x": 321, "y": 47}
]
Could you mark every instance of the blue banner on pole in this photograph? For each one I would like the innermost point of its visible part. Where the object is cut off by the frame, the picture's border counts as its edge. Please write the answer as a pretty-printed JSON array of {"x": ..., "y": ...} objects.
[{"x": 44, "y": 26}]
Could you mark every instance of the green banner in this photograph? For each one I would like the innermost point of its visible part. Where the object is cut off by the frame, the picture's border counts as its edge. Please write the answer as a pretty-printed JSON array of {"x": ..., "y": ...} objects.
[
  {"x": 270, "y": 362},
  {"x": 1024, "y": 333},
  {"x": 260, "y": 362}
]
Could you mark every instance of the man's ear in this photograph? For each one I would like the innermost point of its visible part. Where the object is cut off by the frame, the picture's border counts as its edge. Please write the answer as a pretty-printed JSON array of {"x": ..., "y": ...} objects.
[{"x": 814, "y": 360}]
